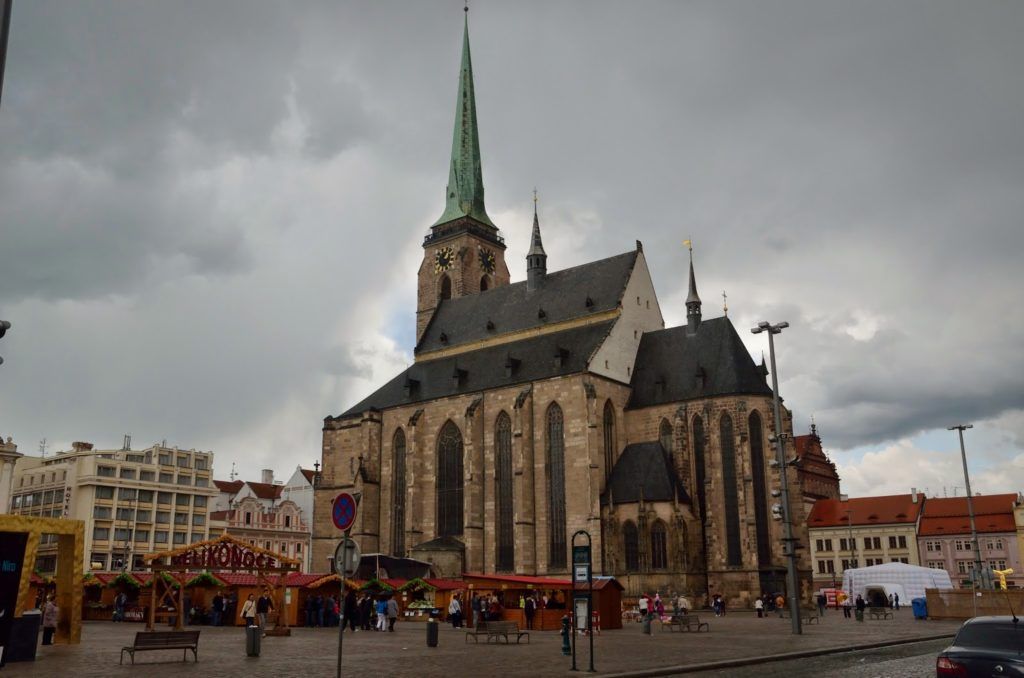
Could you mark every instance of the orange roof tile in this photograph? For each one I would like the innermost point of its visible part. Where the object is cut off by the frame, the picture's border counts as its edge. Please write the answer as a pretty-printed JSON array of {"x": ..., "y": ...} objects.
[
  {"x": 891, "y": 509},
  {"x": 957, "y": 506},
  {"x": 949, "y": 515},
  {"x": 229, "y": 486},
  {"x": 266, "y": 490}
]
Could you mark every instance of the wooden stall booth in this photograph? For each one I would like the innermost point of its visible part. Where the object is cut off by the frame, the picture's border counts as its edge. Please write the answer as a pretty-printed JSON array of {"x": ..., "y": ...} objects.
[
  {"x": 222, "y": 554},
  {"x": 512, "y": 591},
  {"x": 417, "y": 597},
  {"x": 608, "y": 602},
  {"x": 19, "y": 541}
]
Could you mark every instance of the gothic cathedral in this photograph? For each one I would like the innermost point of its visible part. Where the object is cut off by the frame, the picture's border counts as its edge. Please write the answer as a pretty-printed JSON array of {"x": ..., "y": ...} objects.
[{"x": 561, "y": 403}]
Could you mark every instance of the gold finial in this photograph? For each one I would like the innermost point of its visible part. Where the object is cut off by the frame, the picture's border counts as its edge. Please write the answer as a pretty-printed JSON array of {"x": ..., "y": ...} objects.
[
  {"x": 466, "y": 8},
  {"x": 535, "y": 196},
  {"x": 688, "y": 244},
  {"x": 725, "y": 304}
]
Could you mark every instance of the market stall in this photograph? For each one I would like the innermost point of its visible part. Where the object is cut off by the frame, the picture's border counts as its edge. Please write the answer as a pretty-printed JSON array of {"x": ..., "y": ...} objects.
[{"x": 512, "y": 591}]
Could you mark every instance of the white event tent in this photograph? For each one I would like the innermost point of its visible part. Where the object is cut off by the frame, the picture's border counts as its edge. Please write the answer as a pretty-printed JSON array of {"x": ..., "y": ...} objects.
[{"x": 913, "y": 578}]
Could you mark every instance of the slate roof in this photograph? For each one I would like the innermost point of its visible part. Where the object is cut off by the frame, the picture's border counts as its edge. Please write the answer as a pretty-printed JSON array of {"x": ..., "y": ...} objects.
[
  {"x": 890, "y": 509},
  {"x": 486, "y": 368},
  {"x": 948, "y": 515},
  {"x": 673, "y": 366},
  {"x": 512, "y": 308},
  {"x": 644, "y": 467}
]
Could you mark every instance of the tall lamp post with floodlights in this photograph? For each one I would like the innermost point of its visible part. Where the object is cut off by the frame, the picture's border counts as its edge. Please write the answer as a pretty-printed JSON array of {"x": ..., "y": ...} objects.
[
  {"x": 959, "y": 428},
  {"x": 788, "y": 542}
]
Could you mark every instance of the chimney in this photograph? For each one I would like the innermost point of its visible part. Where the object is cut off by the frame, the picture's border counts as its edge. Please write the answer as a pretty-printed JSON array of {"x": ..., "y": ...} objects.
[
  {"x": 913, "y": 494},
  {"x": 268, "y": 476}
]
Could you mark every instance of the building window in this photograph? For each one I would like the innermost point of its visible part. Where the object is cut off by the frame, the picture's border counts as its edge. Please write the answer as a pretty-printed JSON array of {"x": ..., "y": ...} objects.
[
  {"x": 202, "y": 482},
  {"x": 126, "y": 493},
  {"x": 100, "y": 533},
  {"x": 183, "y": 462},
  {"x": 160, "y": 537},
  {"x": 163, "y": 497},
  {"x": 198, "y": 519},
  {"x": 163, "y": 517},
  {"x": 446, "y": 291},
  {"x": 287, "y": 521},
  {"x": 105, "y": 471},
  {"x": 201, "y": 463},
  {"x": 184, "y": 480},
  {"x": 665, "y": 435},
  {"x": 819, "y": 544},
  {"x": 764, "y": 537},
  {"x": 102, "y": 512},
  {"x": 733, "y": 552},
  {"x": 961, "y": 566},
  {"x": 179, "y": 537},
  {"x": 143, "y": 516},
  {"x": 449, "y": 481},
  {"x": 182, "y": 500},
  {"x": 892, "y": 542},
  {"x": 248, "y": 518},
  {"x": 397, "y": 495},
  {"x": 608, "y": 425},
  {"x": 165, "y": 459},
  {"x": 505, "y": 557},
  {"x": 147, "y": 476},
  {"x": 821, "y": 567},
  {"x": 556, "y": 487},
  {"x": 659, "y": 546},
  {"x": 166, "y": 478},
  {"x": 631, "y": 541},
  {"x": 298, "y": 549},
  {"x": 181, "y": 519},
  {"x": 146, "y": 496},
  {"x": 199, "y": 501},
  {"x": 828, "y": 544},
  {"x": 699, "y": 474},
  {"x": 141, "y": 535},
  {"x": 128, "y": 473},
  {"x": 121, "y": 534},
  {"x": 124, "y": 514}
]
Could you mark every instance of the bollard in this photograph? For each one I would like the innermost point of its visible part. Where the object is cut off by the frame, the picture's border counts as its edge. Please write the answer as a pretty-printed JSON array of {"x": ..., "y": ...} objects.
[
  {"x": 432, "y": 632},
  {"x": 566, "y": 650}
]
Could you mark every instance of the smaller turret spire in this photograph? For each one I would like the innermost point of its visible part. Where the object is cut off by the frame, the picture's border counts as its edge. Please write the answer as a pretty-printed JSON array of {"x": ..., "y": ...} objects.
[
  {"x": 692, "y": 299},
  {"x": 536, "y": 258}
]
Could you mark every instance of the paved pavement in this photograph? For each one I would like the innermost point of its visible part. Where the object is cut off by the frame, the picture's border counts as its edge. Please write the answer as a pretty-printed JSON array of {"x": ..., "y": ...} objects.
[
  {"x": 312, "y": 652},
  {"x": 909, "y": 660}
]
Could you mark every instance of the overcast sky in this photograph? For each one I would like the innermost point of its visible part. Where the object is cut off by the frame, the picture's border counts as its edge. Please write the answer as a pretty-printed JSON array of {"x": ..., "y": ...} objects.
[{"x": 212, "y": 212}]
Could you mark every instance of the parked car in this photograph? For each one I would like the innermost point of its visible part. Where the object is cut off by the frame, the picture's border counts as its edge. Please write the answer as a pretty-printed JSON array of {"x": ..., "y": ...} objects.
[{"x": 984, "y": 646}]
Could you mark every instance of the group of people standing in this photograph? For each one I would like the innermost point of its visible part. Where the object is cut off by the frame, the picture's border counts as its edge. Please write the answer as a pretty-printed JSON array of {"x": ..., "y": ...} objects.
[
  {"x": 369, "y": 614},
  {"x": 322, "y": 611},
  {"x": 255, "y": 611}
]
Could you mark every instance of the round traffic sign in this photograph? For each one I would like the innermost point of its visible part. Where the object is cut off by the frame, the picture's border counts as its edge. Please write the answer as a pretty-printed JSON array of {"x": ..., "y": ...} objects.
[
  {"x": 344, "y": 511},
  {"x": 346, "y": 557}
]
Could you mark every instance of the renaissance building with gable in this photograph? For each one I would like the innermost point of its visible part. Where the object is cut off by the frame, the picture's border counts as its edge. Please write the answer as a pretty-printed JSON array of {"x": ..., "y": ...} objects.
[{"x": 560, "y": 403}]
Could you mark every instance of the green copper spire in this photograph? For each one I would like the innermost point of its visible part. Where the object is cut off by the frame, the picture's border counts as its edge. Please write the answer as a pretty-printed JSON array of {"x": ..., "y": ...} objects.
[{"x": 465, "y": 195}]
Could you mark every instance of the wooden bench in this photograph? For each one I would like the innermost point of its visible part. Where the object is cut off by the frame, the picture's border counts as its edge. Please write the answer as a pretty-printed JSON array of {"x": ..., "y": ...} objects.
[
  {"x": 497, "y": 629},
  {"x": 164, "y": 640},
  {"x": 690, "y": 622},
  {"x": 879, "y": 613}
]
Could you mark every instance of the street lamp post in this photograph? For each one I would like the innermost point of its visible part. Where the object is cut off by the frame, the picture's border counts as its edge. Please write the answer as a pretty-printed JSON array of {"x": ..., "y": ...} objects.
[
  {"x": 959, "y": 428},
  {"x": 789, "y": 542}
]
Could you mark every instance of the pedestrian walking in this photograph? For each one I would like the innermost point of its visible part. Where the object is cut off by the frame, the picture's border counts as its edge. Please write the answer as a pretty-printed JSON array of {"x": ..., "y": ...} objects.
[
  {"x": 780, "y": 604},
  {"x": 51, "y": 614},
  {"x": 455, "y": 612},
  {"x": 860, "y": 605},
  {"x": 530, "y": 609},
  {"x": 248, "y": 612},
  {"x": 822, "y": 602},
  {"x": 759, "y": 606},
  {"x": 120, "y": 603},
  {"x": 896, "y": 600},
  {"x": 351, "y": 610},
  {"x": 392, "y": 608},
  {"x": 217, "y": 609},
  {"x": 847, "y": 604},
  {"x": 892, "y": 605},
  {"x": 365, "y": 612},
  {"x": 263, "y": 607}
]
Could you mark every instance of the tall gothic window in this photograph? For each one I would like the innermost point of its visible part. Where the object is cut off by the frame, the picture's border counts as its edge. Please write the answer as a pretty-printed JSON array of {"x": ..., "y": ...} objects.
[
  {"x": 449, "y": 481},
  {"x": 556, "y": 487},
  {"x": 764, "y": 549},
  {"x": 398, "y": 495},
  {"x": 665, "y": 435},
  {"x": 729, "y": 491},
  {"x": 484, "y": 284},
  {"x": 446, "y": 288},
  {"x": 609, "y": 438},
  {"x": 659, "y": 546},
  {"x": 631, "y": 541},
  {"x": 700, "y": 473},
  {"x": 503, "y": 480}
]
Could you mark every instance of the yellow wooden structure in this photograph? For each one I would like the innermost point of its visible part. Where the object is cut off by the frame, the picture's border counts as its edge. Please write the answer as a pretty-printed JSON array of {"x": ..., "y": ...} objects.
[{"x": 70, "y": 558}]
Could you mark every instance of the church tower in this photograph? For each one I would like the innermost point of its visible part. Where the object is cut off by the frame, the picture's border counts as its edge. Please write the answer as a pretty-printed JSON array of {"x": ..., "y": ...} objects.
[{"x": 463, "y": 253}]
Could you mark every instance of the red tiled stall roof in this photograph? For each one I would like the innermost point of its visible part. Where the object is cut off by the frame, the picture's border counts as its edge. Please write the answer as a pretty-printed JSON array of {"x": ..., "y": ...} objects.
[
  {"x": 887, "y": 510},
  {"x": 524, "y": 581}
]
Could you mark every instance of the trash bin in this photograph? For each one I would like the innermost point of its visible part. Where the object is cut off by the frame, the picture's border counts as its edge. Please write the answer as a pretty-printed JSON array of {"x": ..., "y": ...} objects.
[
  {"x": 253, "y": 638},
  {"x": 432, "y": 632},
  {"x": 920, "y": 606},
  {"x": 645, "y": 625},
  {"x": 24, "y": 637}
]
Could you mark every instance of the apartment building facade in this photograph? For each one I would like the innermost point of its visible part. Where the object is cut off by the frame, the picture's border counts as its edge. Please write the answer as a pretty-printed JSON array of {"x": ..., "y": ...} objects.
[{"x": 133, "y": 502}]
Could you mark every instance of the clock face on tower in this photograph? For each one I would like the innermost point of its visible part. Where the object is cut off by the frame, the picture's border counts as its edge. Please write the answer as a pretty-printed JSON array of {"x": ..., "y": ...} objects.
[
  {"x": 486, "y": 260},
  {"x": 444, "y": 257}
]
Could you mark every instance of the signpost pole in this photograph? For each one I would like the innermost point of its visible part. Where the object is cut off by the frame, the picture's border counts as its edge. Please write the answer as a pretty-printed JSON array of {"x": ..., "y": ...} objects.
[
  {"x": 583, "y": 572},
  {"x": 343, "y": 513}
]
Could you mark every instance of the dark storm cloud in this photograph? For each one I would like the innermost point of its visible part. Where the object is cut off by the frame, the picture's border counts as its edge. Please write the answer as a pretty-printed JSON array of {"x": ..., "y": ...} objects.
[{"x": 220, "y": 204}]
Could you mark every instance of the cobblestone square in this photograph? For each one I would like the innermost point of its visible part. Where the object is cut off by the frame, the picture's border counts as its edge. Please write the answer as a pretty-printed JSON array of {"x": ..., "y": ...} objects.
[{"x": 312, "y": 652}]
